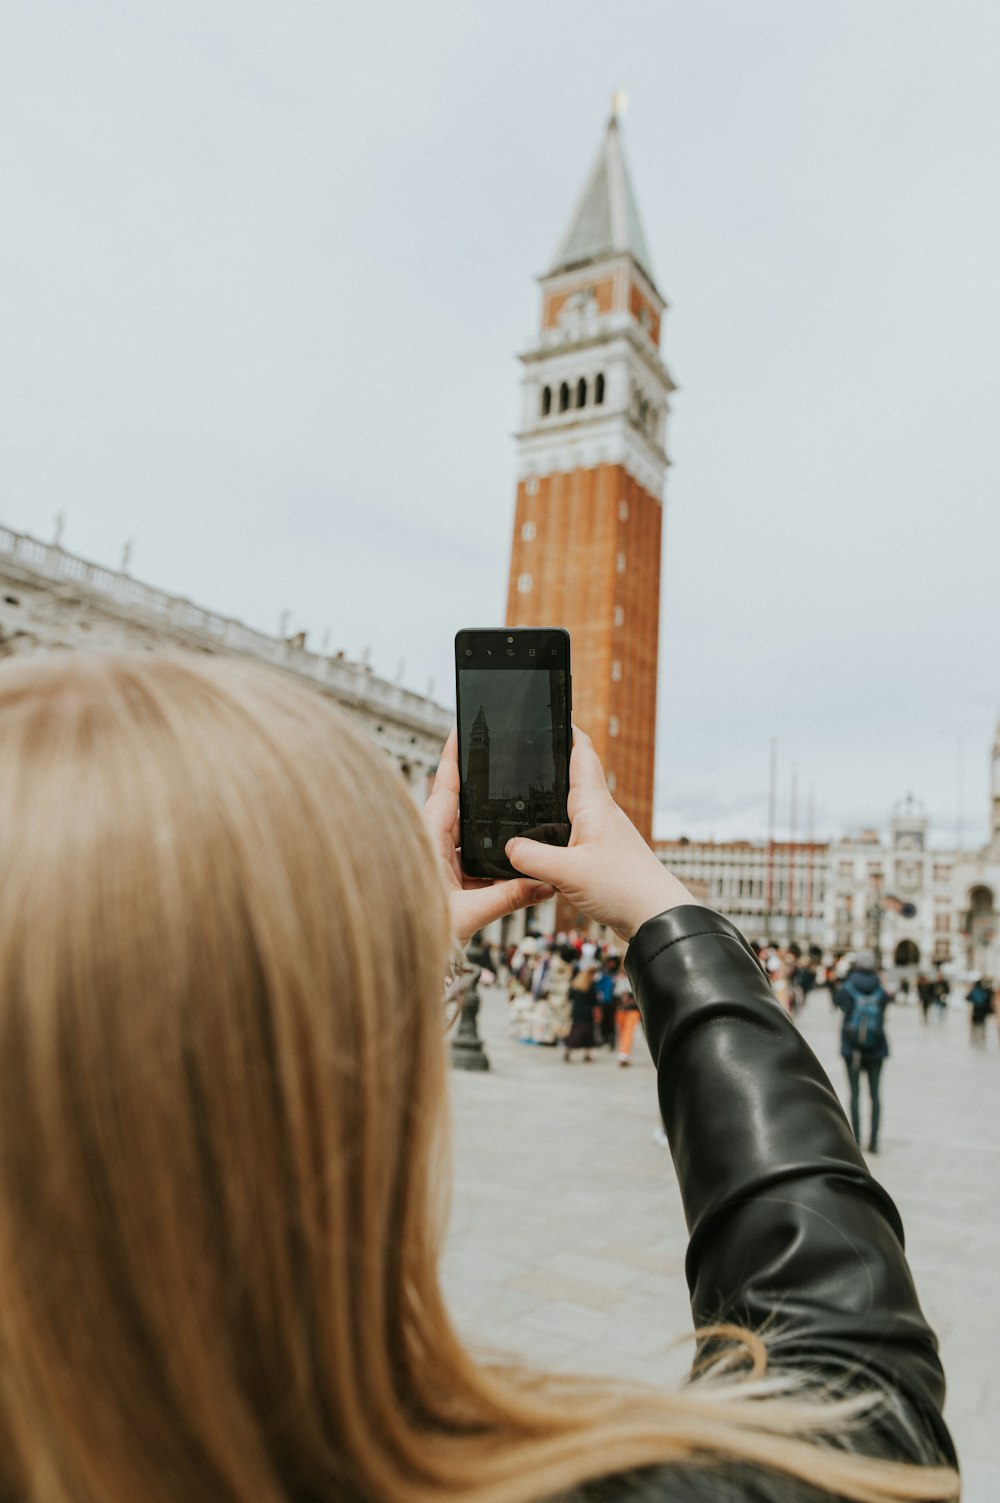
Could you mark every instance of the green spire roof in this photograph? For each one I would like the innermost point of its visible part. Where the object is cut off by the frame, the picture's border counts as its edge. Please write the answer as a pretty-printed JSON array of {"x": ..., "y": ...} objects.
[{"x": 606, "y": 220}]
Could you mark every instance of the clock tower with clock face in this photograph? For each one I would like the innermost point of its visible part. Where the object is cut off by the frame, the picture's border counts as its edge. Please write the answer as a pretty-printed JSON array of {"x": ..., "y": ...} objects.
[{"x": 591, "y": 466}]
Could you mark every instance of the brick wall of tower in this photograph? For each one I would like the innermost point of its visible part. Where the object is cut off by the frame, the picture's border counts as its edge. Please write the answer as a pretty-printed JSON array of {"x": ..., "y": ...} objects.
[
  {"x": 638, "y": 306},
  {"x": 584, "y": 522},
  {"x": 603, "y": 289}
]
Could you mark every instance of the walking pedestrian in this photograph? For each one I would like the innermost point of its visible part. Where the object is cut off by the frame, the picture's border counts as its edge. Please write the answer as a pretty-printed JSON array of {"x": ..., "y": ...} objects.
[
  {"x": 925, "y": 995},
  {"x": 628, "y": 1019},
  {"x": 863, "y": 1043},
  {"x": 980, "y": 996},
  {"x": 605, "y": 984},
  {"x": 582, "y": 1002},
  {"x": 940, "y": 994}
]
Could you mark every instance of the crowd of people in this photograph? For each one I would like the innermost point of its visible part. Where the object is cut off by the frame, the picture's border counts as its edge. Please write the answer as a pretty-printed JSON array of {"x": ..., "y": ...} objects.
[
  {"x": 565, "y": 989},
  {"x": 568, "y": 990}
]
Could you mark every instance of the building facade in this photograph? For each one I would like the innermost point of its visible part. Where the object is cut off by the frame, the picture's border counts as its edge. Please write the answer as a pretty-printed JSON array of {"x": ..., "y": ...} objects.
[
  {"x": 775, "y": 890},
  {"x": 917, "y": 907},
  {"x": 50, "y": 598},
  {"x": 591, "y": 467}
]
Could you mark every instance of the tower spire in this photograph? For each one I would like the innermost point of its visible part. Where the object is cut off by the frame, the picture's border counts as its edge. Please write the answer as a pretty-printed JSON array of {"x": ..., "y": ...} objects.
[{"x": 606, "y": 219}]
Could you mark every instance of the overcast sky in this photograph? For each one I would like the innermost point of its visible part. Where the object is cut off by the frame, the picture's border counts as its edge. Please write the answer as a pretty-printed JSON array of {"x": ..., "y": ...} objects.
[{"x": 265, "y": 266}]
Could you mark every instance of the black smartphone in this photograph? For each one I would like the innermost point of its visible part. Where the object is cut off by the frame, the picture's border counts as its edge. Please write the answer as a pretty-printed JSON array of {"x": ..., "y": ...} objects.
[{"x": 515, "y": 702}]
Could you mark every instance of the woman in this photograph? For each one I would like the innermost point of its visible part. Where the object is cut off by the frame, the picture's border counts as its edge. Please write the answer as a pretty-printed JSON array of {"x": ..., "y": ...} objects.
[
  {"x": 223, "y": 1120},
  {"x": 583, "y": 999},
  {"x": 628, "y": 1018}
]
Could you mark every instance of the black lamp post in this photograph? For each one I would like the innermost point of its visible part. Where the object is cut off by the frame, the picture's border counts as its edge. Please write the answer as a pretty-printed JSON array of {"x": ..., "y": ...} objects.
[{"x": 467, "y": 1052}]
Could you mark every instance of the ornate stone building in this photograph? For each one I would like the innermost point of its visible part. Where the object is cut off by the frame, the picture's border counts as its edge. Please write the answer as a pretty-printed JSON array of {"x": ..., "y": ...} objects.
[
  {"x": 919, "y": 907},
  {"x": 592, "y": 460},
  {"x": 50, "y": 598},
  {"x": 771, "y": 891}
]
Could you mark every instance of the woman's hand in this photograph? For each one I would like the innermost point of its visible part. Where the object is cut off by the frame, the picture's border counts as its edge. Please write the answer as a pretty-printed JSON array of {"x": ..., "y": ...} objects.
[
  {"x": 607, "y": 870},
  {"x": 474, "y": 902}
]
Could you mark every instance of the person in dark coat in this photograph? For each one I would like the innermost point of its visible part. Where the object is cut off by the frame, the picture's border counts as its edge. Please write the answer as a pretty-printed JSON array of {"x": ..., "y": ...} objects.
[
  {"x": 980, "y": 995},
  {"x": 925, "y": 995},
  {"x": 863, "y": 1043},
  {"x": 583, "y": 999},
  {"x": 606, "y": 983}
]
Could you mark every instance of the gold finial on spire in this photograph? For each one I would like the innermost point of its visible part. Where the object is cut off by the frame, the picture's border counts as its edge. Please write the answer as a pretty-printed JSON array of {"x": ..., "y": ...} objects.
[{"x": 619, "y": 103}]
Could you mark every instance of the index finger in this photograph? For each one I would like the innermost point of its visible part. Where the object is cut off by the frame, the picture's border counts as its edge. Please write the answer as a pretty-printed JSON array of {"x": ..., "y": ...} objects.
[
  {"x": 441, "y": 808},
  {"x": 446, "y": 776},
  {"x": 585, "y": 771},
  {"x": 587, "y": 774}
]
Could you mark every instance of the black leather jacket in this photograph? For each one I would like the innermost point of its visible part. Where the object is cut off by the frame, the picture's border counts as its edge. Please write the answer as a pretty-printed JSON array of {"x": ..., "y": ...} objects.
[{"x": 787, "y": 1227}]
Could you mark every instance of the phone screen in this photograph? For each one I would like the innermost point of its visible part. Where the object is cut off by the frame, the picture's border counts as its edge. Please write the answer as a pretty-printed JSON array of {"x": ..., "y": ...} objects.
[{"x": 514, "y": 704}]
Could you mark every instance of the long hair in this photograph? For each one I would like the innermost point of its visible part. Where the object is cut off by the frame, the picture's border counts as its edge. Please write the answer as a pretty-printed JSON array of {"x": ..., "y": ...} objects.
[{"x": 223, "y": 1133}]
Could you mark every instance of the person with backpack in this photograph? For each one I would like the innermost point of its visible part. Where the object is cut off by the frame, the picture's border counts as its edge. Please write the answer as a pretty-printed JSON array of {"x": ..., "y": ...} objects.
[
  {"x": 863, "y": 1044},
  {"x": 981, "y": 998}
]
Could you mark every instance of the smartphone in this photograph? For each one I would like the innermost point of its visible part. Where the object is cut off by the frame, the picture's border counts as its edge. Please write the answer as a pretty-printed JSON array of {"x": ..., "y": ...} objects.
[{"x": 515, "y": 702}]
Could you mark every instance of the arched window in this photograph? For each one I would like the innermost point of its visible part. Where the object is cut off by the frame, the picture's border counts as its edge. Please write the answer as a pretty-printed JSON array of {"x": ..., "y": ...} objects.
[
  {"x": 599, "y": 390},
  {"x": 581, "y": 392},
  {"x": 563, "y": 397},
  {"x": 546, "y": 400}
]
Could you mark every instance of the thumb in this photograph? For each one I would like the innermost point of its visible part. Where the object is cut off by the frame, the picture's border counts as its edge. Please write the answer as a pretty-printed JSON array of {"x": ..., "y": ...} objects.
[{"x": 546, "y": 863}]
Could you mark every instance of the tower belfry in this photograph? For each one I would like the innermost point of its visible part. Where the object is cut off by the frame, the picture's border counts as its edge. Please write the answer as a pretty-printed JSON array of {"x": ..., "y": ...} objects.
[{"x": 592, "y": 461}]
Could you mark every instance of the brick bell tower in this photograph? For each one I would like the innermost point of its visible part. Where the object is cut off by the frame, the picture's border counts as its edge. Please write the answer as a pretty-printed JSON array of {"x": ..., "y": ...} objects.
[{"x": 592, "y": 461}]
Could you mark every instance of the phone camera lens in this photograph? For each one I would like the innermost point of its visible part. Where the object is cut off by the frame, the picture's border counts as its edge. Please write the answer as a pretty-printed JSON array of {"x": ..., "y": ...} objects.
[{"x": 510, "y": 639}]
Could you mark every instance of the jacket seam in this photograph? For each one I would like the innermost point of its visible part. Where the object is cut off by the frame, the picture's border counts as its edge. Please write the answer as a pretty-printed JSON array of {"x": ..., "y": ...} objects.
[{"x": 699, "y": 934}]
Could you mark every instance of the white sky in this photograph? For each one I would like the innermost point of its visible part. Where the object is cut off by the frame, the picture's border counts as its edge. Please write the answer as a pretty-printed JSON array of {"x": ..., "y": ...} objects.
[{"x": 265, "y": 266}]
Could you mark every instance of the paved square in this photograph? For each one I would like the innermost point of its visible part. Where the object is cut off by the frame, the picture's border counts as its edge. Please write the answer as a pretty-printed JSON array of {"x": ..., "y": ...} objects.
[{"x": 567, "y": 1237}]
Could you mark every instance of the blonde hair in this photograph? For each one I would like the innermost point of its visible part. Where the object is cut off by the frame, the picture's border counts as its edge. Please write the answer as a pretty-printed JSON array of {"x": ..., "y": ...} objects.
[{"x": 223, "y": 1120}]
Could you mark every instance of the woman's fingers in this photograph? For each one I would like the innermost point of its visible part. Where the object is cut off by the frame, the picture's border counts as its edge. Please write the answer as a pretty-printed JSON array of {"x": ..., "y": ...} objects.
[
  {"x": 545, "y": 863},
  {"x": 441, "y": 808},
  {"x": 475, "y": 908},
  {"x": 585, "y": 770}
]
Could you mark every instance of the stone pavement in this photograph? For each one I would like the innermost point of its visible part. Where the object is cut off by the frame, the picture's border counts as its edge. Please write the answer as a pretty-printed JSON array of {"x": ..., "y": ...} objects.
[{"x": 567, "y": 1239}]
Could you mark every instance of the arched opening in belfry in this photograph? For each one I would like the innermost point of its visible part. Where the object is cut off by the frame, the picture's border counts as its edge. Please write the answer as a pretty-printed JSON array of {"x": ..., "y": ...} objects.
[
  {"x": 563, "y": 397},
  {"x": 907, "y": 953},
  {"x": 599, "y": 390},
  {"x": 546, "y": 400},
  {"x": 581, "y": 392}
]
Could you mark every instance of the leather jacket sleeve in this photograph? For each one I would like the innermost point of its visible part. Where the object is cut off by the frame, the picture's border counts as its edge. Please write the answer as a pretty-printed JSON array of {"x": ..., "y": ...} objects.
[{"x": 789, "y": 1233}]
